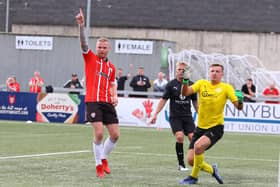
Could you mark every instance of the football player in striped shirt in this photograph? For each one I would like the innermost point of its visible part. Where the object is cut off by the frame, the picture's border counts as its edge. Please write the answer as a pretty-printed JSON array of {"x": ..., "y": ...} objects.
[{"x": 101, "y": 97}]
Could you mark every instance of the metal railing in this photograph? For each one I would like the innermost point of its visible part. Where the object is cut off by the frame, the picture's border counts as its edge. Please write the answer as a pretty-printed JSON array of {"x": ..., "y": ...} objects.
[
  {"x": 124, "y": 93},
  {"x": 149, "y": 94}
]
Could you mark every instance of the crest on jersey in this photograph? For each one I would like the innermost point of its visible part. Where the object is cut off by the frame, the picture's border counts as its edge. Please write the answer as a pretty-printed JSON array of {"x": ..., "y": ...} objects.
[
  {"x": 182, "y": 97},
  {"x": 93, "y": 115}
]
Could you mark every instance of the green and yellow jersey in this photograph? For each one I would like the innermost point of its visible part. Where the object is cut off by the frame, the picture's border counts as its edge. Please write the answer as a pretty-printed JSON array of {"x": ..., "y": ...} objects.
[{"x": 212, "y": 100}]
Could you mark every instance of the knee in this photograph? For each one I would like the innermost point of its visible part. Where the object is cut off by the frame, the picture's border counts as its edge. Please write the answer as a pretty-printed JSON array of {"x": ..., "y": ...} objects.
[
  {"x": 198, "y": 148},
  {"x": 180, "y": 137},
  {"x": 115, "y": 137},
  {"x": 98, "y": 137}
]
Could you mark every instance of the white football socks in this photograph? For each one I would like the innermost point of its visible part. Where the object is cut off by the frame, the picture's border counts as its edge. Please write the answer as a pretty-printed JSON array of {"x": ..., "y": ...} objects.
[
  {"x": 101, "y": 152},
  {"x": 97, "y": 151},
  {"x": 108, "y": 147}
]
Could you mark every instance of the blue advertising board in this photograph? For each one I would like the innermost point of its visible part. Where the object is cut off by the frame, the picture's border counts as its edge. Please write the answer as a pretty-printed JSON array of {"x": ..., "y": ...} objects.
[
  {"x": 52, "y": 107},
  {"x": 18, "y": 106}
]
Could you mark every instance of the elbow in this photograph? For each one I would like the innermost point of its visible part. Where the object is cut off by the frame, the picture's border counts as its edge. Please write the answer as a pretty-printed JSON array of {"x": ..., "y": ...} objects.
[{"x": 84, "y": 47}]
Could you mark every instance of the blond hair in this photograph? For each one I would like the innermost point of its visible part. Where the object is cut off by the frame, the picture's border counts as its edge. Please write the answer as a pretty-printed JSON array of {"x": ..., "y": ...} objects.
[
  {"x": 103, "y": 39},
  {"x": 181, "y": 63}
]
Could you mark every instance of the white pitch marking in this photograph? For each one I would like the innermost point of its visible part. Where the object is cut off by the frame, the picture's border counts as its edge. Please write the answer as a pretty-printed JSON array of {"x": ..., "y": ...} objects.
[
  {"x": 44, "y": 154},
  {"x": 129, "y": 153}
]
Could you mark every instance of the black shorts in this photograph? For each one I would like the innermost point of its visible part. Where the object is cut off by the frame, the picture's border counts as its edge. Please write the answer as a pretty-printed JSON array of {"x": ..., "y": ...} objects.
[
  {"x": 213, "y": 133},
  {"x": 184, "y": 124},
  {"x": 101, "y": 112}
]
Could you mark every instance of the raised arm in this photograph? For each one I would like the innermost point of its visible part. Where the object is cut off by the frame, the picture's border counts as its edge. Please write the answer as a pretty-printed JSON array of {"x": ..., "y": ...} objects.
[
  {"x": 81, "y": 22},
  {"x": 186, "y": 90}
]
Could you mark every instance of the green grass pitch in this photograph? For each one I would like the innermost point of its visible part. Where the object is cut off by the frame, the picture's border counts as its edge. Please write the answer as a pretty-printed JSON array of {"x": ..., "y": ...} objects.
[{"x": 143, "y": 157}]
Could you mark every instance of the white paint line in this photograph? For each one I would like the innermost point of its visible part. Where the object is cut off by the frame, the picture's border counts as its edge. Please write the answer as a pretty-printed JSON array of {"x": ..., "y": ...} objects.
[
  {"x": 129, "y": 153},
  {"x": 43, "y": 154}
]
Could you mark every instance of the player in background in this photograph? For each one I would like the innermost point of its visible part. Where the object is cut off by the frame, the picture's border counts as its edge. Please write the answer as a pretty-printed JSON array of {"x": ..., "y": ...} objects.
[
  {"x": 36, "y": 82},
  {"x": 101, "y": 97},
  {"x": 12, "y": 84},
  {"x": 181, "y": 120},
  {"x": 212, "y": 95}
]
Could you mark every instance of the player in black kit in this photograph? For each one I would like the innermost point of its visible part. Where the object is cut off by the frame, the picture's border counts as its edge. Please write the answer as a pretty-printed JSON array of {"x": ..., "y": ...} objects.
[{"x": 181, "y": 120}]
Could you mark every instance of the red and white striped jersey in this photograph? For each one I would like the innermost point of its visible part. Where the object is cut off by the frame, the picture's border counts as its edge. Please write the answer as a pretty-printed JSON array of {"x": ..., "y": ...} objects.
[
  {"x": 99, "y": 75},
  {"x": 35, "y": 84}
]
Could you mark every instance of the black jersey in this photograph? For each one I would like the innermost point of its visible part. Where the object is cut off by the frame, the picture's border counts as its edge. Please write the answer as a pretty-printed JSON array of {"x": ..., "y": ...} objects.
[{"x": 179, "y": 105}]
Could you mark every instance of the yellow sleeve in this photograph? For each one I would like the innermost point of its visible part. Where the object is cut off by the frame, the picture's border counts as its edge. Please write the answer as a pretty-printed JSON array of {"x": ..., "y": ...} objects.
[
  {"x": 196, "y": 86},
  {"x": 231, "y": 94}
]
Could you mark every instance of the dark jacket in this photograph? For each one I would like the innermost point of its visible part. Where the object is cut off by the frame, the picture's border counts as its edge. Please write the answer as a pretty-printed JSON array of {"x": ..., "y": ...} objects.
[
  {"x": 76, "y": 83},
  {"x": 143, "y": 88}
]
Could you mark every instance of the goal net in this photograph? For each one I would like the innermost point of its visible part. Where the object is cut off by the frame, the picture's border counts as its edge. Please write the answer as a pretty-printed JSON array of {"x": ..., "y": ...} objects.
[{"x": 237, "y": 68}]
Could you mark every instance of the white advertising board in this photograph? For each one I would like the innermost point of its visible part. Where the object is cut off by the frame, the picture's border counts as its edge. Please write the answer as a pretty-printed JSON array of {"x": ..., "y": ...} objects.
[{"x": 254, "y": 118}]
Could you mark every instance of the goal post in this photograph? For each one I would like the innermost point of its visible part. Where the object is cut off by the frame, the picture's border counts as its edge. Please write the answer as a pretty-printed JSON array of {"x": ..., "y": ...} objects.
[{"x": 237, "y": 68}]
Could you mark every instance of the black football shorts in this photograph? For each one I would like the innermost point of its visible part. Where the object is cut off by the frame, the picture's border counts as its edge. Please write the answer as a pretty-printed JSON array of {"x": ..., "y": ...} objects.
[{"x": 101, "y": 112}]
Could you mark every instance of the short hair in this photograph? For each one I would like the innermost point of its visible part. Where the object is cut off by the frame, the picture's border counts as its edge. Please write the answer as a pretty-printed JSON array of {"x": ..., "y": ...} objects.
[
  {"x": 103, "y": 39},
  {"x": 120, "y": 69},
  {"x": 181, "y": 63},
  {"x": 217, "y": 65},
  {"x": 141, "y": 67}
]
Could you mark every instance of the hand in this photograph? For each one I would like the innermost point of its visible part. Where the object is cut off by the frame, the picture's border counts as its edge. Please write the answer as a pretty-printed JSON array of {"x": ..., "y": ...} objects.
[
  {"x": 240, "y": 96},
  {"x": 154, "y": 119},
  {"x": 139, "y": 83},
  {"x": 187, "y": 72},
  {"x": 115, "y": 100},
  {"x": 80, "y": 18}
]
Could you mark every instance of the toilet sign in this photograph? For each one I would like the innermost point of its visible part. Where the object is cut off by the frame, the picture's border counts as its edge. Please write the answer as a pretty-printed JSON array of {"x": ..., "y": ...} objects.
[{"x": 34, "y": 42}]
